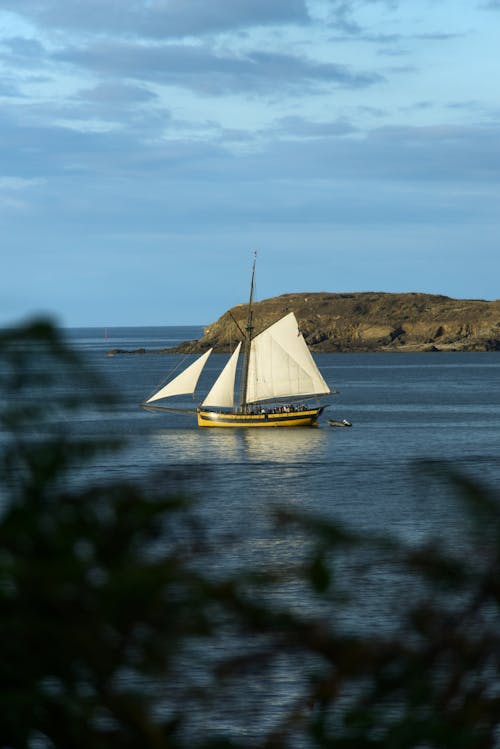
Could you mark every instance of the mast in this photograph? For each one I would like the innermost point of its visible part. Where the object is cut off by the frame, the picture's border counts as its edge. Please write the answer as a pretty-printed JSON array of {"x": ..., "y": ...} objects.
[{"x": 248, "y": 339}]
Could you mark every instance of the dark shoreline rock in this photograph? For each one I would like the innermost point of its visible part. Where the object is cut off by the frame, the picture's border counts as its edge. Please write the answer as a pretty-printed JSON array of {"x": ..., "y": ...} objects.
[{"x": 115, "y": 351}]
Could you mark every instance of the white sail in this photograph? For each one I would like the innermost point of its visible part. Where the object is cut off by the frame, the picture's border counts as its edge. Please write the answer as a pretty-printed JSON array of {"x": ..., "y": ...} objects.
[
  {"x": 185, "y": 382},
  {"x": 281, "y": 365},
  {"x": 222, "y": 392}
]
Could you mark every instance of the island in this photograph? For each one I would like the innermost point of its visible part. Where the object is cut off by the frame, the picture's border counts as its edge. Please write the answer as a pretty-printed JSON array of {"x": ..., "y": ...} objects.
[{"x": 364, "y": 322}]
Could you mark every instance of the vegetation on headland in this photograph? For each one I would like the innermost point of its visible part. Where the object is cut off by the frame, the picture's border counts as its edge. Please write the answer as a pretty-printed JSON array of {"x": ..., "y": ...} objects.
[
  {"x": 114, "y": 632},
  {"x": 366, "y": 321},
  {"x": 370, "y": 321}
]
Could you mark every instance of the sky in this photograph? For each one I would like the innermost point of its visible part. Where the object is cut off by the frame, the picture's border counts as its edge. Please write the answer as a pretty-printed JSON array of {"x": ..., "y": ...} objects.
[{"x": 149, "y": 147}]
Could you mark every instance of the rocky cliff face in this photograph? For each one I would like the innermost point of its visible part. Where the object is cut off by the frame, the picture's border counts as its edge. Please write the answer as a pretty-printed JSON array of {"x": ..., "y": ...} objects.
[{"x": 368, "y": 321}]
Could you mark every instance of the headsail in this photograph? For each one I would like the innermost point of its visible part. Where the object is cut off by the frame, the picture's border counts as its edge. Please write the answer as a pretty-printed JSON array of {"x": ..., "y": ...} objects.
[
  {"x": 281, "y": 365},
  {"x": 185, "y": 382},
  {"x": 222, "y": 392}
]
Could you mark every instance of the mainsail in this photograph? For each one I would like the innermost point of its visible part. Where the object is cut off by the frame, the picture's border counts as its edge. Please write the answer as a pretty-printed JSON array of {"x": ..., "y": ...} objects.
[
  {"x": 222, "y": 393},
  {"x": 281, "y": 366},
  {"x": 185, "y": 382}
]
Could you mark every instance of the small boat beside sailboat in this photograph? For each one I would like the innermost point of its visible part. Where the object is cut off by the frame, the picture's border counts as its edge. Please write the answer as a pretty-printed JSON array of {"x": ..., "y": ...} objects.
[
  {"x": 280, "y": 382},
  {"x": 339, "y": 423}
]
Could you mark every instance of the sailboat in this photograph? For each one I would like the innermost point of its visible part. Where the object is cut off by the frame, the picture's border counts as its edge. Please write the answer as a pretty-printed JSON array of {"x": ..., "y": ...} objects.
[{"x": 278, "y": 378}]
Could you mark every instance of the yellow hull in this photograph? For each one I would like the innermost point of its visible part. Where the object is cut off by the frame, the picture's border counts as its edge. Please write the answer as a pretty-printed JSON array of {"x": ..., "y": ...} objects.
[{"x": 306, "y": 418}]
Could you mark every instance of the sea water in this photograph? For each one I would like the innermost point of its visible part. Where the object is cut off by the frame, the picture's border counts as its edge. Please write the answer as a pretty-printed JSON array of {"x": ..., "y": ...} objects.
[{"x": 405, "y": 408}]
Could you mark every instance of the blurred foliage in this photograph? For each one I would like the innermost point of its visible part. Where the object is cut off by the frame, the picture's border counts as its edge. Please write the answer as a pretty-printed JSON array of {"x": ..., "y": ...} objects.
[{"x": 114, "y": 634}]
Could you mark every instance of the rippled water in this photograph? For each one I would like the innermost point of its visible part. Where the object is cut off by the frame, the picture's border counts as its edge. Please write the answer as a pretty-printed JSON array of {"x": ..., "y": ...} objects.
[{"x": 404, "y": 408}]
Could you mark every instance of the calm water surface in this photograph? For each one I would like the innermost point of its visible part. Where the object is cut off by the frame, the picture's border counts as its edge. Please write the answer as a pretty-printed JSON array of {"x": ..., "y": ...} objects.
[{"x": 404, "y": 408}]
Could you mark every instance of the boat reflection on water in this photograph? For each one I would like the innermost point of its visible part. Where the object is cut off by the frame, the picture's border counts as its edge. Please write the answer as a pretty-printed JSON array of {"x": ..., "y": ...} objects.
[
  {"x": 189, "y": 446},
  {"x": 295, "y": 445},
  {"x": 182, "y": 446}
]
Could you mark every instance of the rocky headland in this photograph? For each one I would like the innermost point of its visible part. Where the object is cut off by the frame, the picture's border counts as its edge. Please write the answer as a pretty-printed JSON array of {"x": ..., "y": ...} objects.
[{"x": 367, "y": 321}]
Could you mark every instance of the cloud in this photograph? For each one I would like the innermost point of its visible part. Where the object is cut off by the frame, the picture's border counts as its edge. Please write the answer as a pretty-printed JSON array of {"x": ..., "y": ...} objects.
[
  {"x": 16, "y": 184},
  {"x": 293, "y": 149},
  {"x": 17, "y": 194},
  {"x": 116, "y": 94},
  {"x": 9, "y": 90},
  {"x": 463, "y": 155},
  {"x": 20, "y": 53},
  {"x": 300, "y": 127},
  {"x": 23, "y": 48},
  {"x": 341, "y": 18},
  {"x": 159, "y": 19},
  {"x": 341, "y": 13},
  {"x": 115, "y": 105},
  {"x": 58, "y": 153},
  {"x": 200, "y": 69},
  {"x": 296, "y": 151}
]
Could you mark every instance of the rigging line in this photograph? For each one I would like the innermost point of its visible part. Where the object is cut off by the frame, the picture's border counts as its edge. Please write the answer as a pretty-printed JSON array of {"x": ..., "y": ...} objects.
[
  {"x": 147, "y": 407},
  {"x": 169, "y": 376},
  {"x": 237, "y": 324}
]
